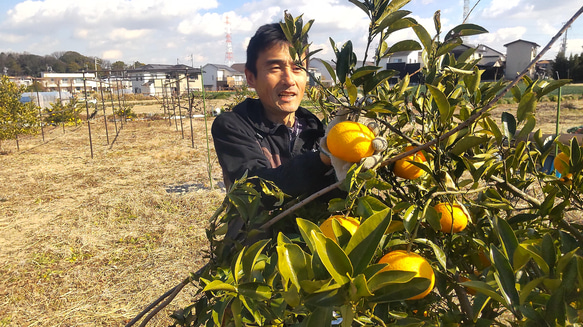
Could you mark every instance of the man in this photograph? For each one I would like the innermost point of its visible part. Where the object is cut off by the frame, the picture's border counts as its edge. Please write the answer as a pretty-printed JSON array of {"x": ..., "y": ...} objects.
[{"x": 273, "y": 137}]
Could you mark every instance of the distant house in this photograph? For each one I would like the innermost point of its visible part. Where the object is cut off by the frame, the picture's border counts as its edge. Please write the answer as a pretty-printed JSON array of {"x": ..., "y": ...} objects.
[
  {"x": 406, "y": 57},
  {"x": 72, "y": 82},
  {"x": 319, "y": 71},
  {"x": 404, "y": 62},
  {"x": 518, "y": 55},
  {"x": 240, "y": 67},
  {"x": 491, "y": 61},
  {"x": 221, "y": 77},
  {"x": 544, "y": 68},
  {"x": 158, "y": 79}
]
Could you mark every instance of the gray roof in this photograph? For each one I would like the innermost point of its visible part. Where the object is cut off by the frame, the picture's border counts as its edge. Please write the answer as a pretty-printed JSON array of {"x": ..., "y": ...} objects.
[{"x": 163, "y": 68}]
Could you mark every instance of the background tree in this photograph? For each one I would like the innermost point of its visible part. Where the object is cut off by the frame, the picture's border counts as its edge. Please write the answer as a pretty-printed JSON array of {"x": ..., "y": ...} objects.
[{"x": 118, "y": 65}]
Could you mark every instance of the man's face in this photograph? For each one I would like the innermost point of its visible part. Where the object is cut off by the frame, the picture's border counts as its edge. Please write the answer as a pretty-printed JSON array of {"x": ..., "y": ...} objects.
[{"x": 279, "y": 83}]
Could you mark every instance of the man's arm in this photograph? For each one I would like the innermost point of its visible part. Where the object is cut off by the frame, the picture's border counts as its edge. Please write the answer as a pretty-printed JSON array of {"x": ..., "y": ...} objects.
[{"x": 238, "y": 151}]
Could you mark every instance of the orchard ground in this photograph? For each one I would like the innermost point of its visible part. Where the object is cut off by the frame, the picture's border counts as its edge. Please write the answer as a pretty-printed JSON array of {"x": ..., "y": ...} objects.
[{"x": 90, "y": 242}]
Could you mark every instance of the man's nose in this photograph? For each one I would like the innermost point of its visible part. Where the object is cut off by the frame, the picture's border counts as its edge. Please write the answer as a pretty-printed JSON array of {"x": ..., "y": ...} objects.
[{"x": 288, "y": 76}]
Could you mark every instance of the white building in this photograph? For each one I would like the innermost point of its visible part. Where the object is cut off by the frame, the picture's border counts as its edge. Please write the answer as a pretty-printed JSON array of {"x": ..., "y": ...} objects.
[
  {"x": 72, "y": 82},
  {"x": 157, "y": 79},
  {"x": 221, "y": 77},
  {"x": 518, "y": 55}
]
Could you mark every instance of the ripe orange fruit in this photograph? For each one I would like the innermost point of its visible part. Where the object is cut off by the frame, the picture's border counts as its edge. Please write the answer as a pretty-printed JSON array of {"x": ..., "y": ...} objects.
[
  {"x": 401, "y": 260},
  {"x": 453, "y": 218},
  {"x": 405, "y": 169},
  {"x": 561, "y": 163},
  {"x": 351, "y": 224},
  {"x": 350, "y": 141}
]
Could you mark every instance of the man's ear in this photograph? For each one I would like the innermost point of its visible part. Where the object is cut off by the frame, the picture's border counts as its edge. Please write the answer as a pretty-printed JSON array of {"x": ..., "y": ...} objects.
[{"x": 250, "y": 78}]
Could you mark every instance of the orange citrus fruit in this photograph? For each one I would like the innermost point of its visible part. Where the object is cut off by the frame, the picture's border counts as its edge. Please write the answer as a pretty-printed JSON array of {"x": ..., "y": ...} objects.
[
  {"x": 405, "y": 169},
  {"x": 453, "y": 218},
  {"x": 561, "y": 163},
  {"x": 401, "y": 260},
  {"x": 350, "y": 141},
  {"x": 351, "y": 224}
]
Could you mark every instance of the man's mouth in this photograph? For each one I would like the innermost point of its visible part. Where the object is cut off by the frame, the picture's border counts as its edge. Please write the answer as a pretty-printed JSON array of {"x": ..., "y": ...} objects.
[{"x": 287, "y": 95}]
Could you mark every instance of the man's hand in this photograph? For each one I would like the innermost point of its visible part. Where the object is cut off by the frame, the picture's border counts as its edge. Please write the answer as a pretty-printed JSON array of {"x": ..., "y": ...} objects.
[{"x": 341, "y": 167}]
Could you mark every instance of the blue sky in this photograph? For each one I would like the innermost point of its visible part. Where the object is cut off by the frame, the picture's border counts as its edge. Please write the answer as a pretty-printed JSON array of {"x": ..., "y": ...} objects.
[{"x": 193, "y": 32}]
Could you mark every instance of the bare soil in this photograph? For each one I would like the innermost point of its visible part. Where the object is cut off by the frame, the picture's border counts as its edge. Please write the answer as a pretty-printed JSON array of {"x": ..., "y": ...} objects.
[{"x": 91, "y": 241}]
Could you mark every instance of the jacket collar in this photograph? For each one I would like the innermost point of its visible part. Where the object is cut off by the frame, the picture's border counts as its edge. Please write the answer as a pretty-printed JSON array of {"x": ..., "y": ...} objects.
[{"x": 252, "y": 110}]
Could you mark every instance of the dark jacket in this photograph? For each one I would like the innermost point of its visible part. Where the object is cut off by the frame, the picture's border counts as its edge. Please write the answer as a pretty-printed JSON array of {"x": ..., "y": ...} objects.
[{"x": 246, "y": 141}]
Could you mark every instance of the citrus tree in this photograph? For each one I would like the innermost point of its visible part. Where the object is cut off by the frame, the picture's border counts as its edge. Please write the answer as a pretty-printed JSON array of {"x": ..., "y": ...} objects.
[
  {"x": 456, "y": 224},
  {"x": 65, "y": 113},
  {"x": 16, "y": 118}
]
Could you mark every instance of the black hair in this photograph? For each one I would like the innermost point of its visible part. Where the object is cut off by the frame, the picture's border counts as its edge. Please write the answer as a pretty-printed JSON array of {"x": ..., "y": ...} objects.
[{"x": 265, "y": 37}]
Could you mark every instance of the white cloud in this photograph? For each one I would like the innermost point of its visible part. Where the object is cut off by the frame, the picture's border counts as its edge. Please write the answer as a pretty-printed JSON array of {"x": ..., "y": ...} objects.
[
  {"x": 499, "y": 7},
  {"x": 159, "y": 31},
  {"x": 112, "y": 55},
  {"x": 125, "y": 34}
]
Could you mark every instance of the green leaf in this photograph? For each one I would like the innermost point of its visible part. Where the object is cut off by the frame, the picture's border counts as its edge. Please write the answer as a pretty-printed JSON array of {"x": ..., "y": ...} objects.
[
  {"x": 236, "y": 307},
  {"x": 306, "y": 227},
  {"x": 555, "y": 308},
  {"x": 465, "y": 30},
  {"x": 390, "y": 19},
  {"x": 362, "y": 246},
  {"x": 527, "y": 250},
  {"x": 439, "y": 253},
  {"x": 405, "y": 45},
  {"x": 526, "y": 106},
  {"x": 448, "y": 47},
  {"x": 509, "y": 125},
  {"x": 504, "y": 276},
  {"x": 467, "y": 143},
  {"x": 251, "y": 256},
  {"x": 549, "y": 253},
  {"x": 347, "y": 314},
  {"x": 362, "y": 73},
  {"x": 344, "y": 61},
  {"x": 352, "y": 91},
  {"x": 254, "y": 290},
  {"x": 368, "y": 206},
  {"x": 551, "y": 86},
  {"x": 485, "y": 289},
  {"x": 292, "y": 263},
  {"x": 442, "y": 103},
  {"x": 329, "y": 68},
  {"x": 389, "y": 277},
  {"x": 527, "y": 289},
  {"x": 363, "y": 7},
  {"x": 321, "y": 316},
  {"x": 217, "y": 285},
  {"x": 358, "y": 288},
  {"x": 333, "y": 258},
  {"x": 493, "y": 127},
  {"x": 410, "y": 218},
  {"x": 527, "y": 128},
  {"x": 379, "y": 78},
  {"x": 432, "y": 217},
  {"x": 331, "y": 295},
  {"x": 423, "y": 36},
  {"x": 401, "y": 291},
  {"x": 506, "y": 236}
]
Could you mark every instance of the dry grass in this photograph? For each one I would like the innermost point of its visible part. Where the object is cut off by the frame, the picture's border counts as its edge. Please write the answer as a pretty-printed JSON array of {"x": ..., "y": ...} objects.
[{"x": 87, "y": 242}]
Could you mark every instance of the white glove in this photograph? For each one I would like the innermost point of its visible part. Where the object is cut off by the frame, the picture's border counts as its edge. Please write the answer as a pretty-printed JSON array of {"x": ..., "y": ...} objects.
[{"x": 341, "y": 167}]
